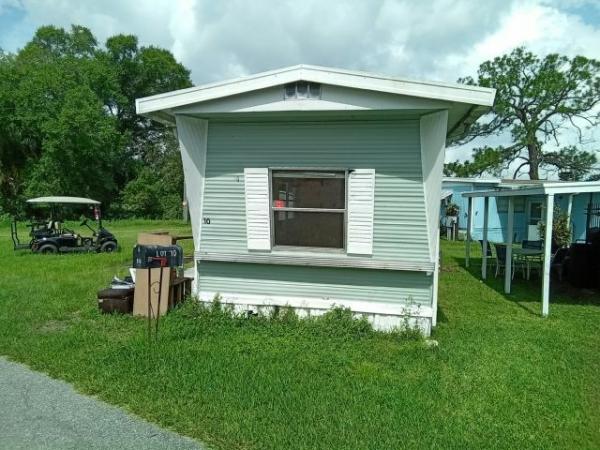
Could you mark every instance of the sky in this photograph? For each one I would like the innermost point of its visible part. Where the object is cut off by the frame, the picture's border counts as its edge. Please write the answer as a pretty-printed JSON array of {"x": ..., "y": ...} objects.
[{"x": 438, "y": 40}]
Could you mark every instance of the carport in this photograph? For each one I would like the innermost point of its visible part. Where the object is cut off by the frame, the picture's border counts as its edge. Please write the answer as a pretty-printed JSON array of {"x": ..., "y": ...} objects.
[{"x": 547, "y": 190}]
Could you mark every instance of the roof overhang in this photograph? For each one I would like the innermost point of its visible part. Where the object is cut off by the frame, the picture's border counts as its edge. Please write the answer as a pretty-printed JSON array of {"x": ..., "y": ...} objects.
[
  {"x": 446, "y": 194},
  {"x": 467, "y": 102},
  {"x": 64, "y": 199},
  {"x": 472, "y": 180},
  {"x": 547, "y": 188}
]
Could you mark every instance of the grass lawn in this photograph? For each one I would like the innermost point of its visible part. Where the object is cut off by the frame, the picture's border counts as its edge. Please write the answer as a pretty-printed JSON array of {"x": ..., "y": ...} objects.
[{"x": 501, "y": 377}]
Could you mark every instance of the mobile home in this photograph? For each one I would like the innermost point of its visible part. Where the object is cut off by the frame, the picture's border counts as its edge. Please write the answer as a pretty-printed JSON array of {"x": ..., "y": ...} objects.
[
  {"x": 312, "y": 187},
  {"x": 528, "y": 209}
]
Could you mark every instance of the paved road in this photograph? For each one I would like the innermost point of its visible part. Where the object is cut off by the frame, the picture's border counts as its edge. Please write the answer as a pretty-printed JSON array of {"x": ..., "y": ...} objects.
[{"x": 38, "y": 412}]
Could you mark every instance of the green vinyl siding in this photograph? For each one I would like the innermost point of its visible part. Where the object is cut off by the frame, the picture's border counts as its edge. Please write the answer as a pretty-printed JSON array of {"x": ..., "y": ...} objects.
[
  {"x": 392, "y": 148},
  {"x": 387, "y": 286}
]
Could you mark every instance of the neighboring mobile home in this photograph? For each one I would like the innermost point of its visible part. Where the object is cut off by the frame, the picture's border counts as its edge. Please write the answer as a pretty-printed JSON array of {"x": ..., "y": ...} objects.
[
  {"x": 452, "y": 190},
  {"x": 528, "y": 210},
  {"x": 312, "y": 187}
]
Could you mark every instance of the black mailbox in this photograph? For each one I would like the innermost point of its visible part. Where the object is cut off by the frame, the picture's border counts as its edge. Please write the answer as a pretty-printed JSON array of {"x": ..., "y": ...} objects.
[{"x": 149, "y": 256}]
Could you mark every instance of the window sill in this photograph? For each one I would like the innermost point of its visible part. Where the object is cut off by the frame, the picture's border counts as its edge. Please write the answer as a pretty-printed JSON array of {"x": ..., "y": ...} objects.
[
  {"x": 292, "y": 258},
  {"x": 290, "y": 249}
]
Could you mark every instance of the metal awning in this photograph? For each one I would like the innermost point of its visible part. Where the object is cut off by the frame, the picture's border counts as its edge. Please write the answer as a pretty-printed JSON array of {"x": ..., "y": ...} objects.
[
  {"x": 548, "y": 189},
  {"x": 544, "y": 188},
  {"x": 446, "y": 194},
  {"x": 63, "y": 199}
]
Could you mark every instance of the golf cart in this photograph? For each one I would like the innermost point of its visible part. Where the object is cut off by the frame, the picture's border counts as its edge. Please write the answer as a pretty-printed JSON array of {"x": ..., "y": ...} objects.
[{"x": 50, "y": 236}]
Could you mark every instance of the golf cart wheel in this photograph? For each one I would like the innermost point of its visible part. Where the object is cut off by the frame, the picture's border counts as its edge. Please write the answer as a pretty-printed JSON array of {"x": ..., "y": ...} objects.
[
  {"x": 108, "y": 247},
  {"x": 48, "y": 249}
]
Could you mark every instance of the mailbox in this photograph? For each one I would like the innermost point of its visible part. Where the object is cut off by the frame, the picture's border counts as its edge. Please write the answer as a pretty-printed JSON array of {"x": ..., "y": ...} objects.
[{"x": 149, "y": 256}]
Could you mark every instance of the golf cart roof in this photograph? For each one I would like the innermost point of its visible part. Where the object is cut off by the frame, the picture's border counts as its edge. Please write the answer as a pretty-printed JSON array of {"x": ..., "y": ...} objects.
[{"x": 60, "y": 199}]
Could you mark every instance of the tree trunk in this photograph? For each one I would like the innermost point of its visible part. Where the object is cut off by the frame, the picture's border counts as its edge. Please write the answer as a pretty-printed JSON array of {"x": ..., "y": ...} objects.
[{"x": 534, "y": 161}]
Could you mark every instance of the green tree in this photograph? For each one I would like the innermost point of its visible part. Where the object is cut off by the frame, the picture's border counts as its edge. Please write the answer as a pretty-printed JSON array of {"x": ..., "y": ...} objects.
[
  {"x": 536, "y": 99},
  {"x": 140, "y": 72},
  {"x": 156, "y": 191},
  {"x": 67, "y": 115}
]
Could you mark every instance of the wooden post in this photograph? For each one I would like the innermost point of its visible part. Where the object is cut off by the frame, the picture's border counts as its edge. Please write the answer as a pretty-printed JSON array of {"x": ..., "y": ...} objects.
[
  {"x": 547, "y": 254},
  {"x": 486, "y": 210},
  {"x": 509, "y": 244},
  {"x": 469, "y": 237}
]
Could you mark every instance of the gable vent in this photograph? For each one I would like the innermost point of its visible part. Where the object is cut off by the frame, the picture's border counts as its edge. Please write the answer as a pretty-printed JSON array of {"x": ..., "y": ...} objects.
[{"x": 301, "y": 90}]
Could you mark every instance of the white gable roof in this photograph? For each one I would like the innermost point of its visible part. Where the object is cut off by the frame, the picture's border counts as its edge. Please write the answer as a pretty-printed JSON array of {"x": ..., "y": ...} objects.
[
  {"x": 360, "y": 80},
  {"x": 468, "y": 102}
]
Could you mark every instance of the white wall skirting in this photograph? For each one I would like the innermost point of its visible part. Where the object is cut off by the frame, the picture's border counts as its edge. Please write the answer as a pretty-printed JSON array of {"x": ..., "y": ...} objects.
[{"x": 383, "y": 316}]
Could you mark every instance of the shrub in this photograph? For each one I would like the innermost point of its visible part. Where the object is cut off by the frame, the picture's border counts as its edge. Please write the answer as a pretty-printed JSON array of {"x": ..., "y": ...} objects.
[
  {"x": 338, "y": 322},
  {"x": 561, "y": 229}
]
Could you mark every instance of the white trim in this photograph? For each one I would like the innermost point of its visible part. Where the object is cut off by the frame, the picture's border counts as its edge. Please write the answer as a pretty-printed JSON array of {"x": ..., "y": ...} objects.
[
  {"x": 547, "y": 254},
  {"x": 317, "y": 260},
  {"x": 319, "y": 303},
  {"x": 192, "y": 134},
  {"x": 461, "y": 93},
  {"x": 509, "y": 246},
  {"x": 436, "y": 277},
  {"x": 360, "y": 211},
  {"x": 469, "y": 231},
  {"x": 446, "y": 194},
  {"x": 577, "y": 187},
  {"x": 486, "y": 214},
  {"x": 432, "y": 134},
  {"x": 258, "y": 208}
]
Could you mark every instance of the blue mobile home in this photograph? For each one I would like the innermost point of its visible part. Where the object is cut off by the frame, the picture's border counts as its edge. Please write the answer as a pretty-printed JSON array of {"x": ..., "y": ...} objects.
[
  {"x": 539, "y": 200},
  {"x": 528, "y": 209},
  {"x": 453, "y": 188}
]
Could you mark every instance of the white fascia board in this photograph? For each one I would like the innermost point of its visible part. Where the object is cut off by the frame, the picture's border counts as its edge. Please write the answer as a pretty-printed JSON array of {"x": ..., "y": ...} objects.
[
  {"x": 471, "y": 180},
  {"x": 578, "y": 187},
  {"x": 433, "y": 90}
]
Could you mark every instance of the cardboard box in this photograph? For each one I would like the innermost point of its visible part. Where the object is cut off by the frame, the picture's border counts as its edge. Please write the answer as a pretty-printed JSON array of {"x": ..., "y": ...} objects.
[
  {"x": 140, "y": 298},
  {"x": 158, "y": 238}
]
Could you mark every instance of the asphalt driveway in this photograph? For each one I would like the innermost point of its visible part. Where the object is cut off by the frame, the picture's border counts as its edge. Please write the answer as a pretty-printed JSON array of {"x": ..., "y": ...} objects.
[{"x": 38, "y": 412}]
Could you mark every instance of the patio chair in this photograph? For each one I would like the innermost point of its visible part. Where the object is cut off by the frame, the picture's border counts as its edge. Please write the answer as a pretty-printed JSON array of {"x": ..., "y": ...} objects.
[
  {"x": 536, "y": 245},
  {"x": 500, "y": 250},
  {"x": 535, "y": 263}
]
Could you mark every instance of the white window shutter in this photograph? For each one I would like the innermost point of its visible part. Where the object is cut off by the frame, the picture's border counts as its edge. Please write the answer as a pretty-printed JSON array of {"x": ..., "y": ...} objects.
[
  {"x": 361, "y": 206},
  {"x": 258, "y": 219}
]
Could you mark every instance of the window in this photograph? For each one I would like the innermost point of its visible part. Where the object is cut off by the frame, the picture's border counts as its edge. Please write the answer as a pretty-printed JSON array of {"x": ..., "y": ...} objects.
[
  {"x": 502, "y": 204},
  {"x": 308, "y": 208},
  {"x": 301, "y": 90}
]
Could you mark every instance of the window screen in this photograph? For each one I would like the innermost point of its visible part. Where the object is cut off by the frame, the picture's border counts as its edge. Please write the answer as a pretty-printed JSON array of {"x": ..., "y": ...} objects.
[{"x": 308, "y": 208}]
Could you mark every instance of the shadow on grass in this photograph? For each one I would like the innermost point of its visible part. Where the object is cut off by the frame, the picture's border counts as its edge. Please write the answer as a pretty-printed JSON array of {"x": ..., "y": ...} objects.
[
  {"x": 527, "y": 293},
  {"x": 441, "y": 317}
]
